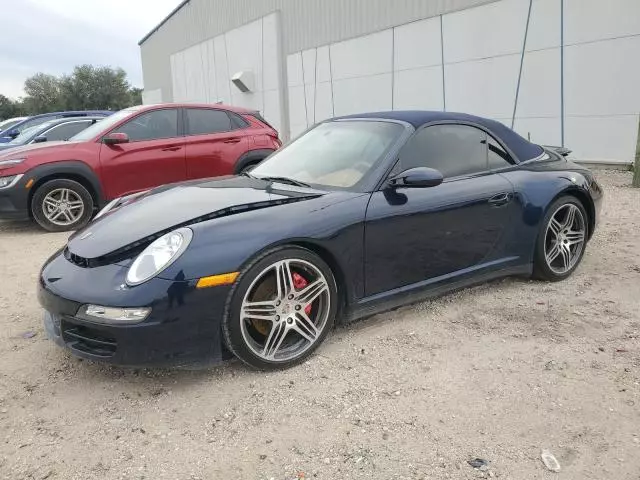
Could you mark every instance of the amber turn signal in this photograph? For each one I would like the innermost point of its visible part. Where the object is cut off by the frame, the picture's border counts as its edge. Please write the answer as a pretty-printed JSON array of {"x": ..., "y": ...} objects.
[{"x": 217, "y": 280}]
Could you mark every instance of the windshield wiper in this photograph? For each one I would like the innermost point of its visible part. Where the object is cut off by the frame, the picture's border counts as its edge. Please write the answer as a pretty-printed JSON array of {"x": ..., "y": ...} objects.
[{"x": 287, "y": 180}]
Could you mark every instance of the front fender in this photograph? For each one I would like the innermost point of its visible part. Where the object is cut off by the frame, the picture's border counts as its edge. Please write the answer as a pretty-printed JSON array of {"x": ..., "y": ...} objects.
[
  {"x": 334, "y": 223},
  {"x": 67, "y": 169}
]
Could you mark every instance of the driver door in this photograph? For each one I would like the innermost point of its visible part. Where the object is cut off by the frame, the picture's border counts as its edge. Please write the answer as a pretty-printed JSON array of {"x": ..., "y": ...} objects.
[
  {"x": 416, "y": 236},
  {"x": 155, "y": 154}
]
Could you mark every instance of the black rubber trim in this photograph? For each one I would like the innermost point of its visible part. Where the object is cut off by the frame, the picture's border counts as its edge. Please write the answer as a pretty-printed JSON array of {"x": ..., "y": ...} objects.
[
  {"x": 250, "y": 157},
  {"x": 63, "y": 170}
]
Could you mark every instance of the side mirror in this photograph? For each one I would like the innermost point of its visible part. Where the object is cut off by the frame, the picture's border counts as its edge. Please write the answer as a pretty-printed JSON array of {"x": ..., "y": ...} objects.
[
  {"x": 40, "y": 139},
  {"x": 419, "y": 177},
  {"x": 12, "y": 134},
  {"x": 115, "y": 139}
]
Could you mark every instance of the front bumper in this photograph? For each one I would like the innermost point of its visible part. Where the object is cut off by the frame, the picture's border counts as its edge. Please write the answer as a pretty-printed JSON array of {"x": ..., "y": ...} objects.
[
  {"x": 14, "y": 201},
  {"x": 182, "y": 329}
]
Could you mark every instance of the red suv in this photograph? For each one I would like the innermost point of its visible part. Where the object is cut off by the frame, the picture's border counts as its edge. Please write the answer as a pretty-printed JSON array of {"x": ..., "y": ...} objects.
[{"x": 62, "y": 184}]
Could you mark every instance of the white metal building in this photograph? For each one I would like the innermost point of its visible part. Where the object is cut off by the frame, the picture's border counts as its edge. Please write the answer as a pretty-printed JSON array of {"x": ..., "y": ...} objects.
[{"x": 306, "y": 60}]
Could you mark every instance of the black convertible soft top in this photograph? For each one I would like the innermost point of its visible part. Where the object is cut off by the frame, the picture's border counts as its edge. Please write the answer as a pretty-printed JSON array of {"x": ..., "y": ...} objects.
[{"x": 521, "y": 148}]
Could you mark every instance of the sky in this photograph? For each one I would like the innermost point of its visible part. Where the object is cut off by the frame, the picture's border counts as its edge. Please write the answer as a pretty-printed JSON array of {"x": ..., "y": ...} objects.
[{"x": 53, "y": 36}]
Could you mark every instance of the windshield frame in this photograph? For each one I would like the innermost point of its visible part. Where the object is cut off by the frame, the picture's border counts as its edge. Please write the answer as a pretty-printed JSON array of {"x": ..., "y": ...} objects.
[
  {"x": 371, "y": 179},
  {"x": 33, "y": 132},
  {"x": 117, "y": 118},
  {"x": 9, "y": 123}
]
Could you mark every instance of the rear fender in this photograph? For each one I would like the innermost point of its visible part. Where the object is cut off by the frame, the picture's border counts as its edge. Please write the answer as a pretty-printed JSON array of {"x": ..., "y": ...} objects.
[{"x": 251, "y": 157}]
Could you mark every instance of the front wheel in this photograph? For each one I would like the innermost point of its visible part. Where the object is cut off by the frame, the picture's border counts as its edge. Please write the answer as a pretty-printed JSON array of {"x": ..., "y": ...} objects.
[
  {"x": 561, "y": 241},
  {"x": 61, "y": 205},
  {"x": 281, "y": 308}
]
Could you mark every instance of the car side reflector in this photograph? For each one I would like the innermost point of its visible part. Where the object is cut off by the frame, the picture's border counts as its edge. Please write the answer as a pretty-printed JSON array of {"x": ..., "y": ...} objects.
[{"x": 217, "y": 280}]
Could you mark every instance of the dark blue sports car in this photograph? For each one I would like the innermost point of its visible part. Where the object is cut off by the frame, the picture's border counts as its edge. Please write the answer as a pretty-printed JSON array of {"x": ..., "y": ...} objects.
[{"x": 358, "y": 215}]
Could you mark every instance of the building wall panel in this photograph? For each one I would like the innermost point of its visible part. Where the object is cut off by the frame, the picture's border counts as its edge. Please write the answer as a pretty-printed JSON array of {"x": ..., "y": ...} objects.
[
  {"x": 417, "y": 45},
  {"x": 539, "y": 95},
  {"x": 589, "y": 20},
  {"x": 419, "y": 88},
  {"x": 361, "y": 94},
  {"x": 483, "y": 87},
  {"x": 602, "y": 138},
  {"x": 350, "y": 56},
  {"x": 306, "y": 24},
  {"x": 364, "y": 56},
  {"x": 601, "y": 77}
]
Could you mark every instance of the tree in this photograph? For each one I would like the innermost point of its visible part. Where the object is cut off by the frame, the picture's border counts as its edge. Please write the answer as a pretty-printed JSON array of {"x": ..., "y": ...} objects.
[
  {"x": 87, "y": 88},
  {"x": 136, "y": 96},
  {"x": 10, "y": 108},
  {"x": 43, "y": 93},
  {"x": 94, "y": 88}
]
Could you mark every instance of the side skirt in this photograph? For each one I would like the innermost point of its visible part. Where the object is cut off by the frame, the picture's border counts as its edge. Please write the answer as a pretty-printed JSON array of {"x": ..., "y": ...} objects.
[{"x": 369, "y": 306}]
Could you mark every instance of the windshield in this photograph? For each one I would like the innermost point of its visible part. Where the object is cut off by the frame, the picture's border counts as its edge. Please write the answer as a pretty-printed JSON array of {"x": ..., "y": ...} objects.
[
  {"x": 334, "y": 154},
  {"x": 7, "y": 124},
  {"x": 103, "y": 126},
  {"x": 28, "y": 134}
]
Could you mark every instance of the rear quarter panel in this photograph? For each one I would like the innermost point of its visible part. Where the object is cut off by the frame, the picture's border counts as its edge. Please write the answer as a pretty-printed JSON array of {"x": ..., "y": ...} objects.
[{"x": 536, "y": 186}]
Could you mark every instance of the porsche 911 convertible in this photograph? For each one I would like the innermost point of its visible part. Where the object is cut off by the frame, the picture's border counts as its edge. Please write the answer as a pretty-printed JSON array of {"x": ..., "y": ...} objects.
[{"x": 358, "y": 215}]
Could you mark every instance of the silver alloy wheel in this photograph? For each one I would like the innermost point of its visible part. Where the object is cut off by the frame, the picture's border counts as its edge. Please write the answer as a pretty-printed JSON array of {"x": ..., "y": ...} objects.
[
  {"x": 63, "y": 206},
  {"x": 564, "y": 239},
  {"x": 292, "y": 320}
]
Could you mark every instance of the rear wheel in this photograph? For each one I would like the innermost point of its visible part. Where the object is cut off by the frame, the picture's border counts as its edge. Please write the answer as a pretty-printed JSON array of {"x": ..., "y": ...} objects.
[
  {"x": 562, "y": 240},
  {"x": 281, "y": 308},
  {"x": 248, "y": 168},
  {"x": 61, "y": 205}
]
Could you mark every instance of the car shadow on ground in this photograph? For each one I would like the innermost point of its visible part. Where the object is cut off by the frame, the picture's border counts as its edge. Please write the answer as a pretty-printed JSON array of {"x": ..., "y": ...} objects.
[
  {"x": 20, "y": 226},
  {"x": 151, "y": 378},
  {"x": 190, "y": 376}
]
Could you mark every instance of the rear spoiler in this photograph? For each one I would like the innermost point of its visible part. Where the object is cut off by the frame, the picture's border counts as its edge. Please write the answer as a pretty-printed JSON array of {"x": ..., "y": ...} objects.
[
  {"x": 257, "y": 115},
  {"x": 559, "y": 150}
]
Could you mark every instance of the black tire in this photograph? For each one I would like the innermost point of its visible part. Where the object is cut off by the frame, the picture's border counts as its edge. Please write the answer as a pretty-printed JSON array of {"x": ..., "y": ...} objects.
[
  {"x": 541, "y": 269},
  {"x": 231, "y": 323},
  {"x": 249, "y": 167},
  {"x": 37, "y": 205}
]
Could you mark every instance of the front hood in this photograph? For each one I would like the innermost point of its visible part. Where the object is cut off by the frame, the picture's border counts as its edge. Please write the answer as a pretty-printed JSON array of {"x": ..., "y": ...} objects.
[
  {"x": 166, "y": 208},
  {"x": 6, "y": 146},
  {"x": 36, "y": 148}
]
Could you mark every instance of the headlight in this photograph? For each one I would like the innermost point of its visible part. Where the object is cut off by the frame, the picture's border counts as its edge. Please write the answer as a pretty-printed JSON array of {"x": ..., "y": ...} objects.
[
  {"x": 158, "y": 256},
  {"x": 13, "y": 161},
  {"x": 10, "y": 181}
]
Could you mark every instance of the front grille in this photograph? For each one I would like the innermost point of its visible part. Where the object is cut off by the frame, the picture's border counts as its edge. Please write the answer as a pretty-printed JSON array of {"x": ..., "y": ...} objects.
[{"x": 88, "y": 340}]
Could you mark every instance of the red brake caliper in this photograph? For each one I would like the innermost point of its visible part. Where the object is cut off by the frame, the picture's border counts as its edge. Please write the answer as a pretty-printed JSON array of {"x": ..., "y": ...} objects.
[{"x": 299, "y": 283}]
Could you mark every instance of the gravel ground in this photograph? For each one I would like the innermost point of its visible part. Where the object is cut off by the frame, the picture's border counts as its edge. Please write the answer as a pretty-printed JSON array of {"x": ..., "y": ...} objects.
[{"x": 498, "y": 372}]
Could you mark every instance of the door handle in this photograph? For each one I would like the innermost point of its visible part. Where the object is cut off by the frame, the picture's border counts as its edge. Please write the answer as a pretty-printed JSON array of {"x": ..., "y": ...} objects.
[
  {"x": 173, "y": 148},
  {"x": 232, "y": 140},
  {"x": 500, "y": 199}
]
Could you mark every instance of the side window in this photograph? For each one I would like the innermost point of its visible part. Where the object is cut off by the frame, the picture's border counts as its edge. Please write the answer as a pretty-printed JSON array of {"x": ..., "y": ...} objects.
[
  {"x": 65, "y": 131},
  {"x": 237, "y": 120},
  {"x": 454, "y": 150},
  {"x": 152, "y": 125},
  {"x": 201, "y": 121},
  {"x": 32, "y": 123},
  {"x": 497, "y": 156}
]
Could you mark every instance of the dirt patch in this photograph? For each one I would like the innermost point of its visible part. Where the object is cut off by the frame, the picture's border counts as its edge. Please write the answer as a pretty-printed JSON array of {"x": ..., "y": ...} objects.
[{"x": 499, "y": 372}]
